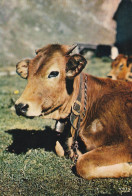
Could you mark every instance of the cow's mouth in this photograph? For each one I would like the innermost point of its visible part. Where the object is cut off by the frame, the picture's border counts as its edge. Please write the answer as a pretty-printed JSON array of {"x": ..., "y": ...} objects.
[
  {"x": 29, "y": 117},
  {"x": 31, "y": 110},
  {"x": 49, "y": 110}
]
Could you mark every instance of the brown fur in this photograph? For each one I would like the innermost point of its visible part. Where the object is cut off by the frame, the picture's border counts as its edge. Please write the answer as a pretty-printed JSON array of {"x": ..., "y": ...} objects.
[{"x": 106, "y": 129}]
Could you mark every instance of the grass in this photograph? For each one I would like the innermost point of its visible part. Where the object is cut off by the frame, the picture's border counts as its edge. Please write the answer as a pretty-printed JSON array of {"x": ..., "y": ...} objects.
[{"x": 28, "y": 164}]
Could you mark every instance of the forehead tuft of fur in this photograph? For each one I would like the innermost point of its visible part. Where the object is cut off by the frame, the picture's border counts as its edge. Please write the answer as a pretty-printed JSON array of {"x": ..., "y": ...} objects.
[
  {"x": 45, "y": 56},
  {"x": 51, "y": 48}
]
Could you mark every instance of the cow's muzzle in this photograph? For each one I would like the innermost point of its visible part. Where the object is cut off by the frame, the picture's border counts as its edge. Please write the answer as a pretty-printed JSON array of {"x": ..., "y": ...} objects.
[{"x": 21, "y": 109}]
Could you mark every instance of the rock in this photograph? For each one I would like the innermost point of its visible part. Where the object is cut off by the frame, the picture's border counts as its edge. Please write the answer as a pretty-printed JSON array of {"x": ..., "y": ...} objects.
[{"x": 28, "y": 25}]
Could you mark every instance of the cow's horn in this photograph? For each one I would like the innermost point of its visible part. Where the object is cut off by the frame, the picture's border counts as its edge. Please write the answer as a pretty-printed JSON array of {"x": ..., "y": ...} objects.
[{"x": 71, "y": 49}]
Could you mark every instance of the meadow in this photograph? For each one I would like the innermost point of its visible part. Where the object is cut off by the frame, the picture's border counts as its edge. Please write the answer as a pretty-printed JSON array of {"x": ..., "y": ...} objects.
[{"x": 28, "y": 163}]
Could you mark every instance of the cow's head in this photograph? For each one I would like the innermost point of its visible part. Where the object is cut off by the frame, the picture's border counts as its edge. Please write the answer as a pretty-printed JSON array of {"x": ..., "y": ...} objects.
[
  {"x": 50, "y": 87},
  {"x": 119, "y": 68}
]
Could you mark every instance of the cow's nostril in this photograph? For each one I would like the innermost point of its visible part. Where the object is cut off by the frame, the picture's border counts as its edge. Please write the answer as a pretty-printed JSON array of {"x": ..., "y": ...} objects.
[
  {"x": 21, "y": 109},
  {"x": 109, "y": 76},
  {"x": 24, "y": 108}
]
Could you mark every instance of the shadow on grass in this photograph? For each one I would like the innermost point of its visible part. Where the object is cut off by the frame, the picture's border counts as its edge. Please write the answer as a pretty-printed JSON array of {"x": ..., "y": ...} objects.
[{"x": 23, "y": 140}]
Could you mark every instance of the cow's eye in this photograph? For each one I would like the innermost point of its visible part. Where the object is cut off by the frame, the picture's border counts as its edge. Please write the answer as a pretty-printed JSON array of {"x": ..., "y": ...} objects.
[
  {"x": 53, "y": 74},
  {"x": 121, "y": 66}
]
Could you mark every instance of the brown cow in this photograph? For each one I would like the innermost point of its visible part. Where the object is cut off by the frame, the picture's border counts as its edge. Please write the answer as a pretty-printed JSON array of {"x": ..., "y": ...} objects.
[
  {"x": 121, "y": 68},
  {"x": 97, "y": 111}
]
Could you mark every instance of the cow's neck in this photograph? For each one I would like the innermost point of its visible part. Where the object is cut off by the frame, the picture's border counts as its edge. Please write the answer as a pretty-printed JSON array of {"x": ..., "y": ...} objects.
[{"x": 65, "y": 110}]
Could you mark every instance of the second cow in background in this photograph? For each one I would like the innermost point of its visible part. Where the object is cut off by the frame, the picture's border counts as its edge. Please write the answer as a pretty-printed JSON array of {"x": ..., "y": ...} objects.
[{"x": 121, "y": 68}]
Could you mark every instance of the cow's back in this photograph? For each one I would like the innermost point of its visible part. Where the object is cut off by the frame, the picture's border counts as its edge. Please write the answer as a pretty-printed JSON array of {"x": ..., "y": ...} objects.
[{"x": 109, "y": 109}]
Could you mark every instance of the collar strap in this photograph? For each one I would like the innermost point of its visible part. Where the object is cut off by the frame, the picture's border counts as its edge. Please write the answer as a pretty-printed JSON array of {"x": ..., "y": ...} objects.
[
  {"x": 75, "y": 118},
  {"x": 77, "y": 105}
]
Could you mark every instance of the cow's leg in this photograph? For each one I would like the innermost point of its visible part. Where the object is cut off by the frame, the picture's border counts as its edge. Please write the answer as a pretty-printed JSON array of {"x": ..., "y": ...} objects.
[{"x": 106, "y": 162}]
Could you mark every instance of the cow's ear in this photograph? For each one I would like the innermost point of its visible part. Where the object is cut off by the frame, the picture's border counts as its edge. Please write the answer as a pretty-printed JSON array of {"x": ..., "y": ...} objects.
[
  {"x": 22, "y": 68},
  {"x": 129, "y": 61},
  {"x": 75, "y": 65}
]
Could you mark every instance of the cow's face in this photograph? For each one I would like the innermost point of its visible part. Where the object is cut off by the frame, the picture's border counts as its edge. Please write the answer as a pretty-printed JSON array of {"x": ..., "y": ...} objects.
[
  {"x": 119, "y": 68},
  {"x": 50, "y": 78}
]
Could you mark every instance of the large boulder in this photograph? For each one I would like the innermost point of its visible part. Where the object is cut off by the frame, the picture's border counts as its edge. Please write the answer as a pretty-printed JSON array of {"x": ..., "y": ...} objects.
[{"x": 27, "y": 25}]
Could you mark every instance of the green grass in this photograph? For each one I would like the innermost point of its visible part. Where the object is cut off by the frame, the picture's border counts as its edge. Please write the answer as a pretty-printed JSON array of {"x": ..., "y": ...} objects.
[{"x": 28, "y": 164}]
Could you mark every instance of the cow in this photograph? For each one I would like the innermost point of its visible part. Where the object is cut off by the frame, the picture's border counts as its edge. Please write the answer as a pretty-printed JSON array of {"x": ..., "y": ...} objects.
[
  {"x": 93, "y": 113},
  {"x": 121, "y": 68}
]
